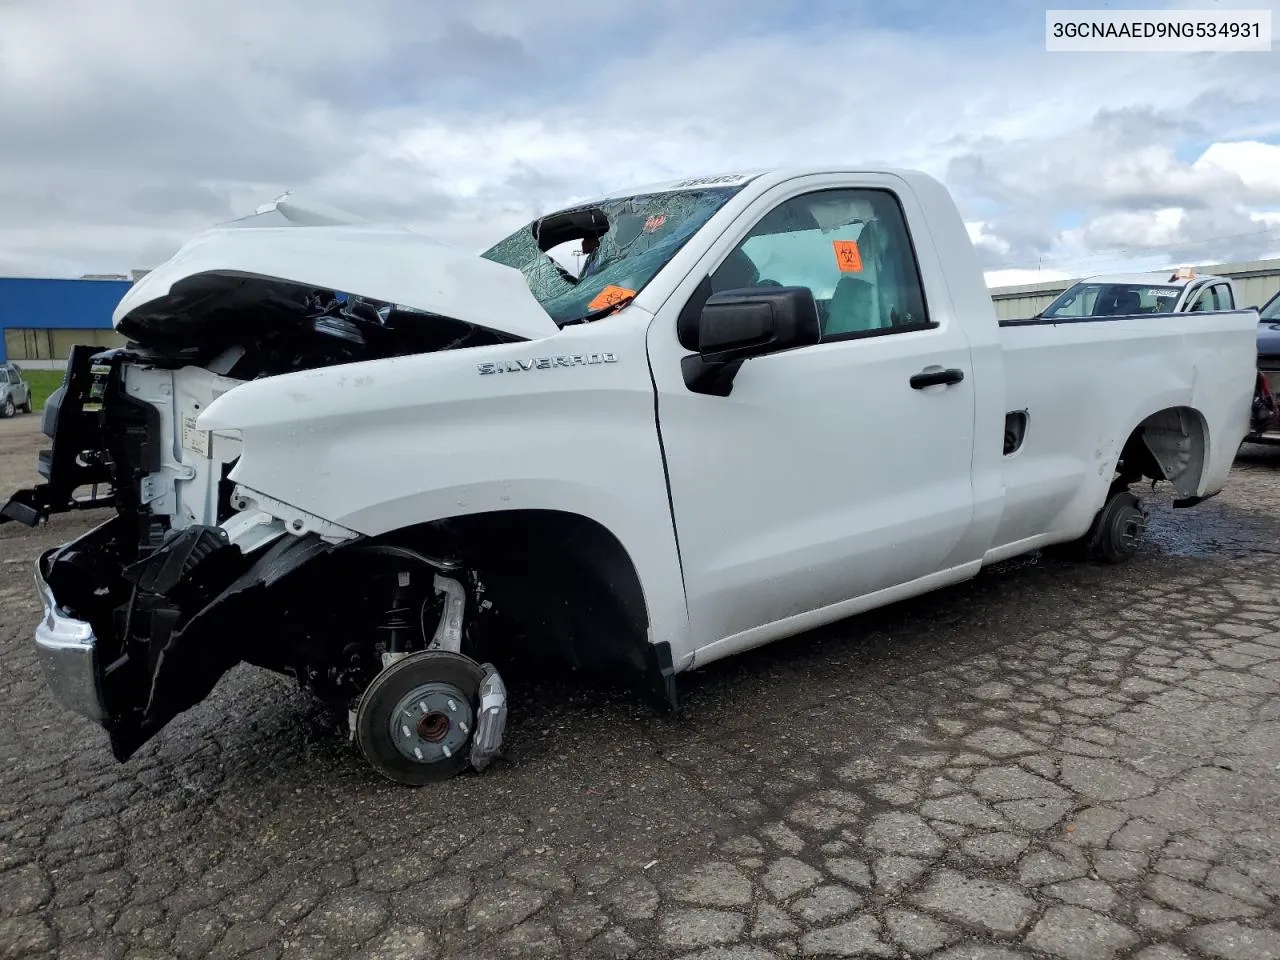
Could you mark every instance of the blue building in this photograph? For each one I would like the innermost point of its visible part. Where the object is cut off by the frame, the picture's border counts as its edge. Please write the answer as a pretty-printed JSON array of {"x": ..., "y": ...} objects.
[{"x": 41, "y": 320}]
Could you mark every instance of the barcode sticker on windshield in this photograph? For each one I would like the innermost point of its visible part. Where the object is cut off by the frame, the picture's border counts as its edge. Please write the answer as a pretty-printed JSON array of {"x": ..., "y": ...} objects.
[
  {"x": 197, "y": 441},
  {"x": 848, "y": 257}
]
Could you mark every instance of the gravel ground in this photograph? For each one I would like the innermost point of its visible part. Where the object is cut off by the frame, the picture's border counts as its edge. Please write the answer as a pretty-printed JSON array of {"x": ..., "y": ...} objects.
[{"x": 1053, "y": 760}]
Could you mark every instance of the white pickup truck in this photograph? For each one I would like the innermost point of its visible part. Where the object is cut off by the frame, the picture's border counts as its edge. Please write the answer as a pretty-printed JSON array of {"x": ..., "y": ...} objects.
[
  {"x": 765, "y": 402},
  {"x": 1133, "y": 294}
]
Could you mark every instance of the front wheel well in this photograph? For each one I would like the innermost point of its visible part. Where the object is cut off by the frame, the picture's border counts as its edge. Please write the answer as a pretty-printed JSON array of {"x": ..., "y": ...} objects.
[
  {"x": 1172, "y": 445},
  {"x": 553, "y": 584}
]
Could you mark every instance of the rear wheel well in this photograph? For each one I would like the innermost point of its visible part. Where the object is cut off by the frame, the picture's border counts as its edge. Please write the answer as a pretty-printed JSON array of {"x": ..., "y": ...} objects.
[{"x": 1171, "y": 445}]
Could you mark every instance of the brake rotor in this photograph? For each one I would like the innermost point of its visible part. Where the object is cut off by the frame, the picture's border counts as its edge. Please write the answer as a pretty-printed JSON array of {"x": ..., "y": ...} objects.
[{"x": 416, "y": 719}]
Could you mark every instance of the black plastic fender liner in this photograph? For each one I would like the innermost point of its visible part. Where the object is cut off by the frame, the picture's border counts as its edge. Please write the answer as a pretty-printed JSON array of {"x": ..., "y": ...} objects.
[
  {"x": 192, "y": 659},
  {"x": 165, "y": 570}
]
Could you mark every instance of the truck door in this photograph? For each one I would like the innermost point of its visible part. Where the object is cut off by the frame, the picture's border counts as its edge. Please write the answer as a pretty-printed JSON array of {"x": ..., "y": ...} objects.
[{"x": 831, "y": 471}]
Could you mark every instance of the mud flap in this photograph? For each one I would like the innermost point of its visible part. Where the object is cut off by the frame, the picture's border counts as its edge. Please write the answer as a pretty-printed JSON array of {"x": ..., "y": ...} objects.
[{"x": 187, "y": 662}]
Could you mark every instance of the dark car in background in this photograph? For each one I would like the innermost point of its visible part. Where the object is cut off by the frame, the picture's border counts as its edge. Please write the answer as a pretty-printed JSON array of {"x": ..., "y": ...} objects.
[{"x": 1266, "y": 402}]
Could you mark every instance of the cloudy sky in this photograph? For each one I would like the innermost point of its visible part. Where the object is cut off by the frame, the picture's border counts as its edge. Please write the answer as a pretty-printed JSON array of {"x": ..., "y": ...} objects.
[{"x": 127, "y": 126}]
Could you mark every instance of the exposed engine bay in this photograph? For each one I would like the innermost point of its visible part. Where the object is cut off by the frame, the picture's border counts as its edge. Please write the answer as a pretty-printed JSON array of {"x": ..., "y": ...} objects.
[{"x": 211, "y": 333}]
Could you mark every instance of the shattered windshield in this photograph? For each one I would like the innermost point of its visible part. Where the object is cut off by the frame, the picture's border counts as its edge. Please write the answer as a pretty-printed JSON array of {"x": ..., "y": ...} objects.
[
  {"x": 589, "y": 258},
  {"x": 1113, "y": 300}
]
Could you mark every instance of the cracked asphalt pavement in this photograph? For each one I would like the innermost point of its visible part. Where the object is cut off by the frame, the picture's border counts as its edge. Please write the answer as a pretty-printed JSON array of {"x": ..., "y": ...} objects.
[{"x": 1055, "y": 760}]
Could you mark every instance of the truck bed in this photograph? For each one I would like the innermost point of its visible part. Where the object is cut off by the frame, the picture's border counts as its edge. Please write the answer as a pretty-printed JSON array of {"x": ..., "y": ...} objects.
[{"x": 1086, "y": 384}]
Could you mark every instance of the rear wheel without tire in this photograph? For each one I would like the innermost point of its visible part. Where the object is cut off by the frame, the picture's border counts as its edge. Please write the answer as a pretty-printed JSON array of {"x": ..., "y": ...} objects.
[
  {"x": 1117, "y": 530},
  {"x": 416, "y": 718},
  {"x": 26, "y": 407}
]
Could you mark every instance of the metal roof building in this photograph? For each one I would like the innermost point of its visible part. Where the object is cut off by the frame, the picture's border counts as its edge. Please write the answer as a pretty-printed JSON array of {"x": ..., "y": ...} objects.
[
  {"x": 1255, "y": 282},
  {"x": 41, "y": 319}
]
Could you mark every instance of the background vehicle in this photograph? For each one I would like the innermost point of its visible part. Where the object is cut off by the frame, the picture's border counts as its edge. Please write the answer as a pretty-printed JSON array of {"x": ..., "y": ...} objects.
[
  {"x": 1129, "y": 294},
  {"x": 1266, "y": 405},
  {"x": 15, "y": 392},
  {"x": 777, "y": 399}
]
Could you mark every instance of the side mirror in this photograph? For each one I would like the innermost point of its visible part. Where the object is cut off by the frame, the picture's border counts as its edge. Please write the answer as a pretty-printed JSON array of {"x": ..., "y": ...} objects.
[
  {"x": 739, "y": 324},
  {"x": 736, "y": 325}
]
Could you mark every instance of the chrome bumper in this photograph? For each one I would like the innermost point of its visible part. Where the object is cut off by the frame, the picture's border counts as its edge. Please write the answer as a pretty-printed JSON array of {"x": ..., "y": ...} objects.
[{"x": 68, "y": 654}]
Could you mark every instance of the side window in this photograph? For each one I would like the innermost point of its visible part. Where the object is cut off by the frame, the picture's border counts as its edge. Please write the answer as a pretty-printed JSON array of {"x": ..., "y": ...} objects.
[
  {"x": 1084, "y": 303},
  {"x": 850, "y": 247},
  {"x": 1225, "y": 300},
  {"x": 1204, "y": 301},
  {"x": 1079, "y": 303}
]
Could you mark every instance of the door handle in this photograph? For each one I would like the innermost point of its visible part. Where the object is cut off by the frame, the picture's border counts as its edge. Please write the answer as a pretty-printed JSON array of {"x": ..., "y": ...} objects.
[{"x": 934, "y": 378}]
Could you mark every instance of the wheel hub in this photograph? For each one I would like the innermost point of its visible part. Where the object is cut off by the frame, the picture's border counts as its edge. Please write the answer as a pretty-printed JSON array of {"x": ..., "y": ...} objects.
[
  {"x": 1130, "y": 524},
  {"x": 433, "y": 727},
  {"x": 432, "y": 722}
]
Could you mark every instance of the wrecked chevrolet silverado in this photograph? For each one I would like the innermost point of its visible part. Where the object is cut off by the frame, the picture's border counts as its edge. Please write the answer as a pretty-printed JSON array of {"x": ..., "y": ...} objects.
[{"x": 760, "y": 403}]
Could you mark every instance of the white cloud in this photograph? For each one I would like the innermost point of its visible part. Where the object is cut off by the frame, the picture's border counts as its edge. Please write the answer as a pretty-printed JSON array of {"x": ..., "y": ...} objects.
[
  {"x": 129, "y": 126},
  {"x": 1130, "y": 230},
  {"x": 978, "y": 234},
  {"x": 1257, "y": 165},
  {"x": 1009, "y": 278}
]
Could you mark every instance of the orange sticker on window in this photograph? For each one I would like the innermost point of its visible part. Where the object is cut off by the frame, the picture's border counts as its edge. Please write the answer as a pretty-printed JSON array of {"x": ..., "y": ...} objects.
[
  {"x": 610, "y": 296},
  {"x": 847, "y": 256}
]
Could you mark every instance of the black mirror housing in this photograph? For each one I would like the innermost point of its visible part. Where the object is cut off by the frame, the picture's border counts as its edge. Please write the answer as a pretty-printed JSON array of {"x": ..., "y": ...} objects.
[{"x": 755, "y": 321}]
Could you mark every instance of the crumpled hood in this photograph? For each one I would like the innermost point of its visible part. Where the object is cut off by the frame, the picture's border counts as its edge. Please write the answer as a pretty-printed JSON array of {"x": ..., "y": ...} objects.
[{"x": 387, "y": 263}]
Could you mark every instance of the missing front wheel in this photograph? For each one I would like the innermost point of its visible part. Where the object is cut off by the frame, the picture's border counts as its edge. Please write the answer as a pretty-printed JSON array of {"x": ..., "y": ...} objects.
[
  {"x": 415, "y": 721},
  {"x": 430, "y": 713}
]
